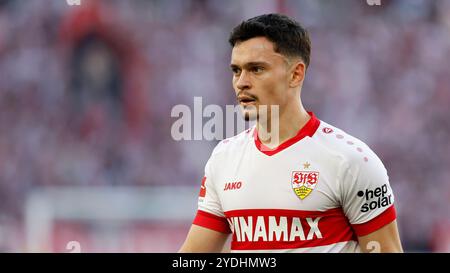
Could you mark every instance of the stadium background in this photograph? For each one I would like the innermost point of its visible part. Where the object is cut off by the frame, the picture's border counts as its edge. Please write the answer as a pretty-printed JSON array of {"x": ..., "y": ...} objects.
[{"x": 86, "y": 94}]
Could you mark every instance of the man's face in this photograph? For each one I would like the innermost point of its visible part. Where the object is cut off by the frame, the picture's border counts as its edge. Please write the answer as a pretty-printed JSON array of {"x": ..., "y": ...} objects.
[{"x": 260, "y": 76}]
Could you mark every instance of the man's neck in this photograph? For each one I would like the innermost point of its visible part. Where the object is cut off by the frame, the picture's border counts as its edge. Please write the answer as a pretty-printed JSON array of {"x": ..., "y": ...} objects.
[{"x": 290, "y": 122}]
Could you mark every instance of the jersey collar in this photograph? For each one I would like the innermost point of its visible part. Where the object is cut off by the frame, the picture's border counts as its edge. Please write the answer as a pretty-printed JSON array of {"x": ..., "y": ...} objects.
[{"x": 308, "y": 130}]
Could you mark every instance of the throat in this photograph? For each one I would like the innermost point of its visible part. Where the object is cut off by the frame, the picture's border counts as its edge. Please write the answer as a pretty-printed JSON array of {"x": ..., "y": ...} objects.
[{"x": 274, "y": 133}]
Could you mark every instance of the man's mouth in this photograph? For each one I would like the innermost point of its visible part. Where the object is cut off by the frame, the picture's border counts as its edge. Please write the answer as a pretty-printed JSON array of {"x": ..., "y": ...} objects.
[{"x": 246, "y": 100}]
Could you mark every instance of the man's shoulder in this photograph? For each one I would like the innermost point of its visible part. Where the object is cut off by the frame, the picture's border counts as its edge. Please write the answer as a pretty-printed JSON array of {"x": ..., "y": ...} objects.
[
  {"x": 235, "y": 143},
  {"x": 341, "y": 143}
]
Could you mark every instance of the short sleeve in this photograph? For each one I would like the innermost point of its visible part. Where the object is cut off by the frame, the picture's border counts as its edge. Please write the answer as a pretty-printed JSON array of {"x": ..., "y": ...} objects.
[
  {"x": 367, "y": 197},
  {"x": 210, "y": 214}
]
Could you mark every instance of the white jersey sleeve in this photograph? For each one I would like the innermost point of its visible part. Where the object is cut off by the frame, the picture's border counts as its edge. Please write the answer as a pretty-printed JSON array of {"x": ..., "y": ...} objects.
[
  {"x": 366, "y": 196},
  {"x": 210, "y": 213}
]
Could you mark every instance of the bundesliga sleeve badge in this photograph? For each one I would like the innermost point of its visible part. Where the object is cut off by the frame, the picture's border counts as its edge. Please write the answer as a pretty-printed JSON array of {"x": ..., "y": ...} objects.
[{"x": 304, "y": 182}]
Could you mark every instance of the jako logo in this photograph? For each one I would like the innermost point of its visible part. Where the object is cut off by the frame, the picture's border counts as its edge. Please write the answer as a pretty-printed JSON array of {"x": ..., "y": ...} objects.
[
  {"x": 381, "y": 199},
  {"x": 232, "y": 186}
]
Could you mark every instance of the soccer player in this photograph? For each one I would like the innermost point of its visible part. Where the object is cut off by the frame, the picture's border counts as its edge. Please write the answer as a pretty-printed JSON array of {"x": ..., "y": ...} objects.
[{"x": 316, "y": 189}]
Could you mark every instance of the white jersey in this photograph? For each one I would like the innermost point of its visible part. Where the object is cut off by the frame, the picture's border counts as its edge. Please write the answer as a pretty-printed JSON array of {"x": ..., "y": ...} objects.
[{"x": 314, "y": 193}]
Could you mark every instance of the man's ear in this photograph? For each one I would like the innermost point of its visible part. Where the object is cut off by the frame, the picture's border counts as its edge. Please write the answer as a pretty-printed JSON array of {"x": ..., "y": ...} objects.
[{"x": 297, "y": 74}]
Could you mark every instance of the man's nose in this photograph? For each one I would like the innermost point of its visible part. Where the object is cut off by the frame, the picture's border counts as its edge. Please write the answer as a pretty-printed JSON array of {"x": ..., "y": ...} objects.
[{"x": 243, "y": 81}]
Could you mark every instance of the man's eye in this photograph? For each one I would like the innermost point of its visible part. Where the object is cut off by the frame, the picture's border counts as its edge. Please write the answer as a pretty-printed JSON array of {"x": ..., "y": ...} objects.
[
  {"x": 258, "y": 69},
  {"x": 235, "y": 70}
]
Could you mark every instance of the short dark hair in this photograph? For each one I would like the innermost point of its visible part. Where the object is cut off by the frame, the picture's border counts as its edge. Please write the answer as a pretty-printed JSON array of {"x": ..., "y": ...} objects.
[{"x": 288, "y": 36}]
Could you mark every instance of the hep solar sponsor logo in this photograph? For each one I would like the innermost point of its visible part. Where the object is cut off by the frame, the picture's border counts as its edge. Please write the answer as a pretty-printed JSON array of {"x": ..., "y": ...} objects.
[{"x": 376, "y": 198}]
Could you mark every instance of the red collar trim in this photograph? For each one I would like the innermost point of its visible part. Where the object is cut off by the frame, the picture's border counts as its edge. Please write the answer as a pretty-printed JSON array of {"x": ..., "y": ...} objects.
[{"x": 308, "y": 130}]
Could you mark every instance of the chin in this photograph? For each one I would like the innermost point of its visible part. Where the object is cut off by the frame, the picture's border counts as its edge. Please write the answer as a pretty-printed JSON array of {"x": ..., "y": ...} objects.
[
  {"x": 250, "y": 116},
  {"x": 249, "y": 112}
]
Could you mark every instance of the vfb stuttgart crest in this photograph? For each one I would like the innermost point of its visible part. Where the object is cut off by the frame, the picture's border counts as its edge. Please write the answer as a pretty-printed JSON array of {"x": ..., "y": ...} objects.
[{"x": 304, "y": 182}]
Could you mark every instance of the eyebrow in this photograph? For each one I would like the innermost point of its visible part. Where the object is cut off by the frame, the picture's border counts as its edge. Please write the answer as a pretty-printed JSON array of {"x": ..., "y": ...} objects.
[{"x": 250, "y": 64}]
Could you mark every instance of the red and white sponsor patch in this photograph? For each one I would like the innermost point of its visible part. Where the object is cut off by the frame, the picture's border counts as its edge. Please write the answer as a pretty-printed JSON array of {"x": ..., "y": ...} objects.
[
  {"x": 287, "y": 229},
  {"x": 202, "y": 192}
]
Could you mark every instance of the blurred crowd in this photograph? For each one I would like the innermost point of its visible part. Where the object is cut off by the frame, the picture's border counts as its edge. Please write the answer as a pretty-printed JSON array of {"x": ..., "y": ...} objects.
[{"x": 86, "y": 93}]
